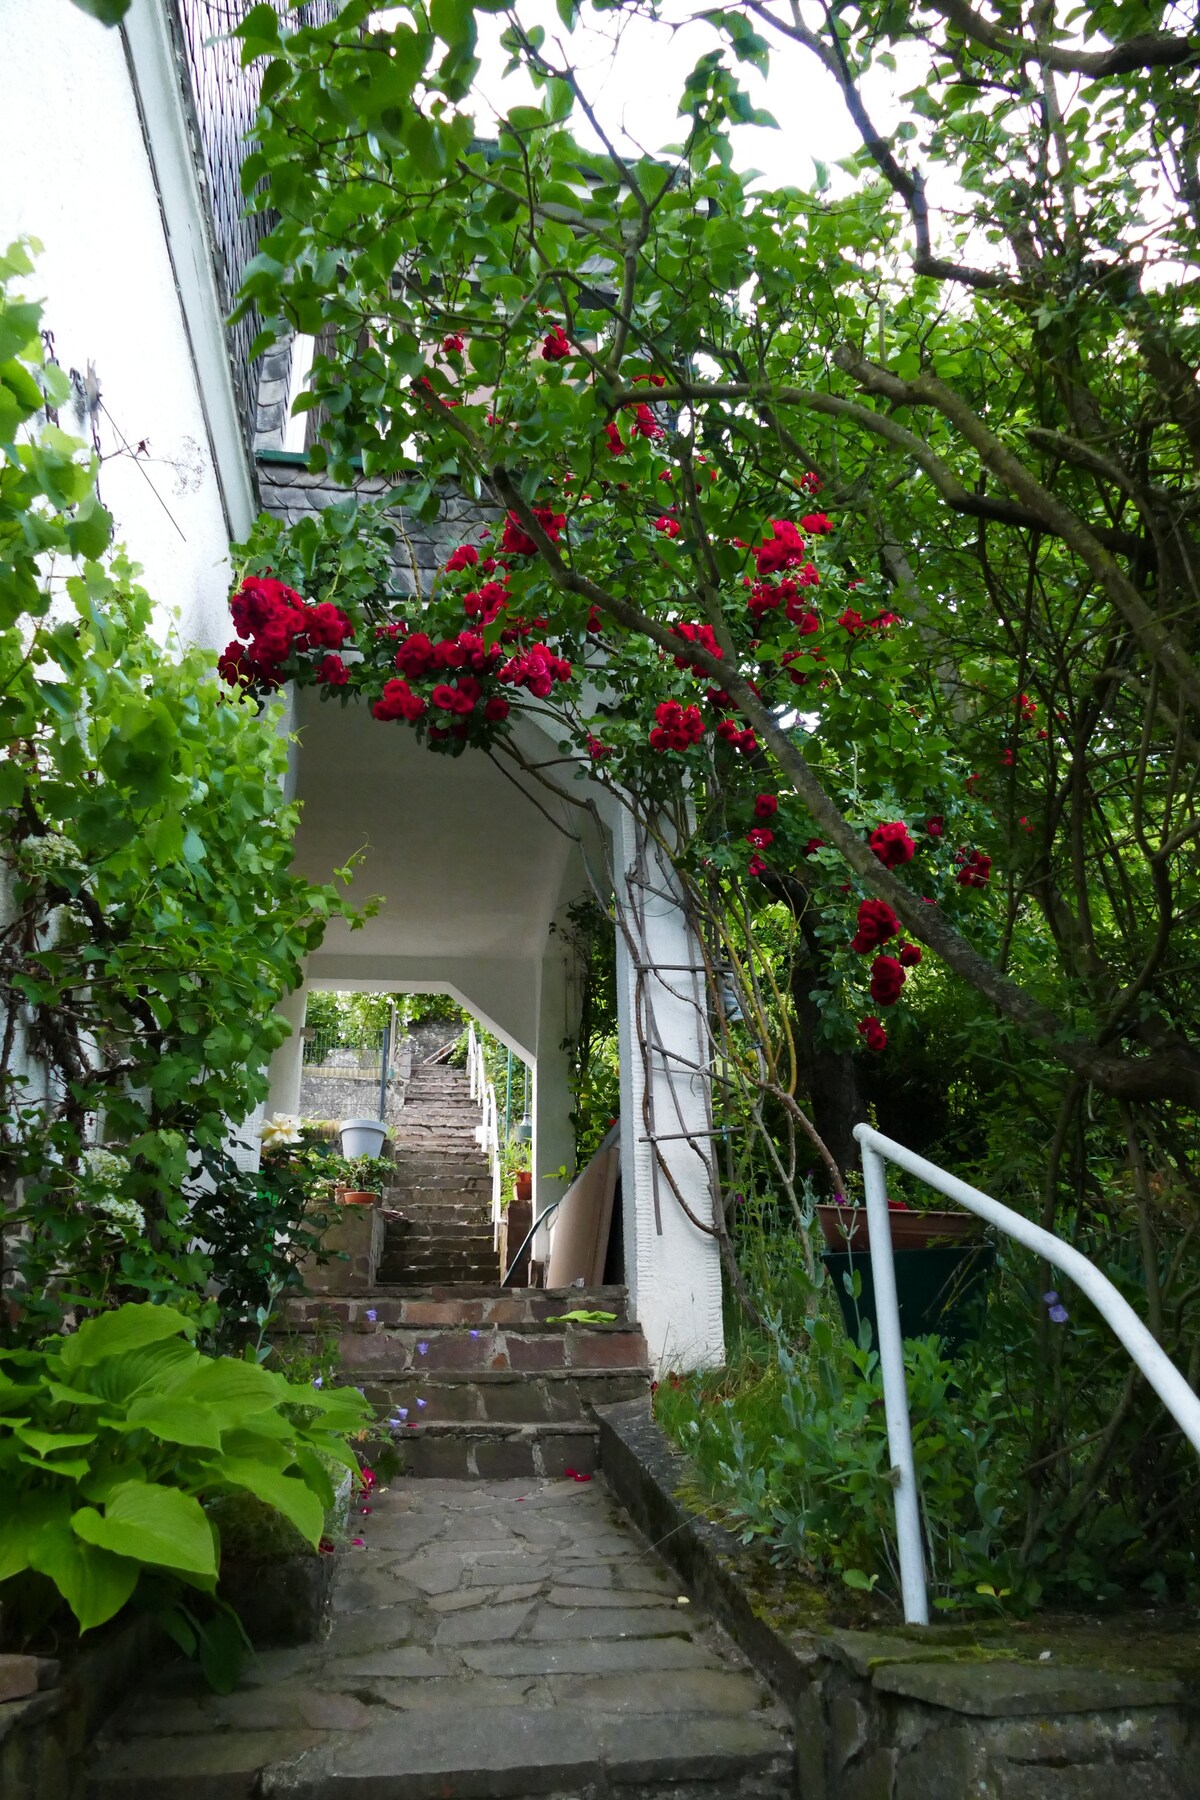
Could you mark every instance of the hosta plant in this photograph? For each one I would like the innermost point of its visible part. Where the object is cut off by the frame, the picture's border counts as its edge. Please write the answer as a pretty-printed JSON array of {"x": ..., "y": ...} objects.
[{"x": 115, "y": 1443}]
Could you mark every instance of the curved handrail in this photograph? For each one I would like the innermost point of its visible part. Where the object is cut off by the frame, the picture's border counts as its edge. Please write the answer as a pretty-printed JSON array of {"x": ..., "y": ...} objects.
[{"x": 1172, "y": 1389}]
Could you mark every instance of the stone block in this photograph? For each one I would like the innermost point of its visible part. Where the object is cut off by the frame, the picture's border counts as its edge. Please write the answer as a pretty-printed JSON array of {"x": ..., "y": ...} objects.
[
  {"x": 1009, "y": 1689},
  {"x": 871, "y": 1778},
  {"x": 1146, "y": 1735},
  {"x": 1097, "y": 1781},
  {"x": 18, "y": 1677},
  {"x": 444, "y": 1457},
  {"x": 808, "y": 1724},
  {"x": 606, "y": 1349},
  {"x": 505, "y": 1457},
  {"x": 848, "y": 1727},
  {"x": 456, "y": 1350},
  {"x": 518, "y": 1402},
  {"x": 542, "y": 1352},
  {"x": 576, "y": 1450}
]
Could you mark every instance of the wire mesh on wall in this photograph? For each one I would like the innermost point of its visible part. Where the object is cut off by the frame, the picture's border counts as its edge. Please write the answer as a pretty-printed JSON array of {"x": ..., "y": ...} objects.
[{"x": 224, "y": 101}]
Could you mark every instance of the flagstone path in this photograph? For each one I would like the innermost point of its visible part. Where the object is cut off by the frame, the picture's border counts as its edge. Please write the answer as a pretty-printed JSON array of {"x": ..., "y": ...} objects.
[{"x": 490, "y": 1639}]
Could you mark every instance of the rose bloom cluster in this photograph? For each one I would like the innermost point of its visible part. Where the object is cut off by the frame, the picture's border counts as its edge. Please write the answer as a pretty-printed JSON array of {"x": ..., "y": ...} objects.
[
  {"x": 279, "y": 625},
  {"x": 452, "y": 677}
]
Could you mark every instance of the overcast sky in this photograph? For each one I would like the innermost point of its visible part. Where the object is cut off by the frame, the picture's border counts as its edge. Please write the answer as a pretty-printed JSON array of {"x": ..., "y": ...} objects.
[{"x": 638, "y": 89}]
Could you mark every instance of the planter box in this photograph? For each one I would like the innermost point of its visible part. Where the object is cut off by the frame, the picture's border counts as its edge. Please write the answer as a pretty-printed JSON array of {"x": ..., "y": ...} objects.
[
  {"x": 280, "y": 1600},
  {"x": 356, "y": 1235},
  {"x": 845, "y": 1228},
  {"x": 935, "y": 1288}
]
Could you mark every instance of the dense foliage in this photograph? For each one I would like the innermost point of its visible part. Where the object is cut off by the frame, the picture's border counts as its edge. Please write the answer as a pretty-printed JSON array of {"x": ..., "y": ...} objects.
[{"x": 151, "y": 920}]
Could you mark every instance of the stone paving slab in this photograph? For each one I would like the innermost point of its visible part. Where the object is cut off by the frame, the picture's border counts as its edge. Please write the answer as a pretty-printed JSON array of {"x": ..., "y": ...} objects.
[{"x": 490, "y": 1640}]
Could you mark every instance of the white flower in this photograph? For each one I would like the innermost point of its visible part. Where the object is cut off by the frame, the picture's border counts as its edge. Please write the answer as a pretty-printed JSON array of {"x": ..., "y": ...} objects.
[
  {"x": 49, "y": 854},
  {"x": 104, "y": 1167},
  {"x": 280, "y": 1128},
  {"x": 125, "y": 1214}
]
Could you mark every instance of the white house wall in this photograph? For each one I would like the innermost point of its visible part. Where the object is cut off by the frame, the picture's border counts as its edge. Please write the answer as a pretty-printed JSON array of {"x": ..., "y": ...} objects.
[{"x": 75, "y": 172}]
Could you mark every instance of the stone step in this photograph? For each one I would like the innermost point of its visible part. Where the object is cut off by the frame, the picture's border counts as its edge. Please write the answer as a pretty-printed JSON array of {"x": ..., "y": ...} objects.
[
  {"x": 429, "y": 1204},
  {"x": 444, "y": 1174},
  {"x": 377, "y": 1351},
  {"x": 478, "y": 1452},
  {"x": 501, "y": 1397},
  {"x": 431, "y": 1307},
  {"x": 442, "y": 1270}
]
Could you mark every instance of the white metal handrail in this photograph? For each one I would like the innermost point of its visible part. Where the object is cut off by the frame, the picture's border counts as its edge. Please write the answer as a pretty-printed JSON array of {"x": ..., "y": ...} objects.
[
  {"x": 487, "y": 1132},
  {"x": 1170, "y": 1386}
]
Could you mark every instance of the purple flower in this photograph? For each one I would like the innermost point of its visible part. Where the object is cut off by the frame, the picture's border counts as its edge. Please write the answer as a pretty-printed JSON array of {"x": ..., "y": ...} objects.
[
  {"x": 371, "y": 1315},
  {"x": 1057, "y": 1311},
  {"x": 422, "y": 1403},
  {"x": 421, "y": 1349},
  {"x": 474, "y": 1334},
  {"x": 398, "y": 1417},
  {"x": 839, "y": 1199},
  {"x": 317, "y": 1382}
]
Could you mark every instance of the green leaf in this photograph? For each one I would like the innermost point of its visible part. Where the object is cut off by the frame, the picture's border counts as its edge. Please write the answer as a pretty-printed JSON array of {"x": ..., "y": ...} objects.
[
  {"x": 129, "y": 1328},
  {"x": 175, "y": 1421},
  {"x": 288, "y": 1494},
  {"x": 12, "y": 783},
  {"x": 94, "y": 1583},
  {"x": 154, "y": 1524},
  {"x": 26, "y": 1517},
  {"x": 234, "y": 1390},
  {"x": 44, "y": 1442},
  {"x": 109, "y": 12}
]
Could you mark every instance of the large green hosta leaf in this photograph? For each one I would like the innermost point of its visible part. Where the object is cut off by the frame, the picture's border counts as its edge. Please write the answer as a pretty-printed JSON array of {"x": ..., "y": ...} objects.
[
  {"x": 113, "y": 1333},
  {"x": 155, "y": 1524},
  {"x": 93, "y": 1581}
]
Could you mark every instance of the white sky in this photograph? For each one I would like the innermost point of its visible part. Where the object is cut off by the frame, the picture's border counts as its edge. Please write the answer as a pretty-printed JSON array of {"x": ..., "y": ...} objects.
[{"x": 638, "y": 90}]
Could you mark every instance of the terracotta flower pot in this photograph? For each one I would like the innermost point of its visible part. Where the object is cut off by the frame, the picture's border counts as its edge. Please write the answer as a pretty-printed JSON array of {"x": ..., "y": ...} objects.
[
  {"x": 523, "y": 1184},
  {"x": 355, "y": 1197},
  {"x": 845, "y": 1228}
]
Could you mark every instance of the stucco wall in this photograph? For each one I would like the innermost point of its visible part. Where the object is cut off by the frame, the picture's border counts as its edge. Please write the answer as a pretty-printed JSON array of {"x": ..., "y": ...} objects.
[{"x": 77, "y": 175}]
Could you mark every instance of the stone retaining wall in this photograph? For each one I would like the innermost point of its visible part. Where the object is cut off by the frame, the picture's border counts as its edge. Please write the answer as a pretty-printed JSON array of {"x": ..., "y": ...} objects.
[{"x": 927, "y": 1714}]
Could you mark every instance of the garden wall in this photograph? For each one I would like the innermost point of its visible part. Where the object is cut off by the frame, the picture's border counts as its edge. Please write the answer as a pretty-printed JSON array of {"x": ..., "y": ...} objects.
[{"x": 940, "y": 1713}]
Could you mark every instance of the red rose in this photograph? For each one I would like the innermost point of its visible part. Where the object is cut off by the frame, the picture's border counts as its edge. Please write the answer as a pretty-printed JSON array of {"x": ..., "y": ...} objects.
[
  {"x": 892, "y": 844},
  {"x": 976, "y": 870},
  {"x": 887, "y": 979},
  {"x": 935, "y": 827},
  {"x": 670, "y": 527},
  {"x": 556, "y": 345},
  {"x": 615, "y": 441},
  {"x": 333, "y": 672},
  {"x": 765, "y": 806},
  {"x": 874, "y": 1033},
  {"x": 760, "y": 836},
  {"x": 465, "y": 557},
  {"x": 876, "y": 924},
  {"x": 909, "y": 955}
]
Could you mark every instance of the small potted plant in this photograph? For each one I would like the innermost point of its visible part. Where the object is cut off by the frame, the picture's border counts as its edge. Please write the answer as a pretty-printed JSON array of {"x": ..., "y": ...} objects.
[{"x": 360, "y": 1180}]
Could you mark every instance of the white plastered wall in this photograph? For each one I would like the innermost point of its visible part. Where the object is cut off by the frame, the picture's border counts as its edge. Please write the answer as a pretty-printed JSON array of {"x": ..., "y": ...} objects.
[
  {"x": 77, "y": 174},
  {"x": 673, "y": 1269}
]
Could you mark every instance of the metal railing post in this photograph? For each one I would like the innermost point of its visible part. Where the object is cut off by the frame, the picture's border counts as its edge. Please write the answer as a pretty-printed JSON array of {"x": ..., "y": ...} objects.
[{"x": 895, "y": 1393}]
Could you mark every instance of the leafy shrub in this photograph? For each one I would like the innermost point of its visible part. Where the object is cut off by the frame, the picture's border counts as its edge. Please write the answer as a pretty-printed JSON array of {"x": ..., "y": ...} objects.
[{"x": 114, "y": 1444}]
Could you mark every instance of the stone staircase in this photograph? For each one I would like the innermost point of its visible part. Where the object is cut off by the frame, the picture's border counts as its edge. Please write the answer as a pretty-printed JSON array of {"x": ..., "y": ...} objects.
[
  {"x": 440, "y": 1228},
  {"x": 469, "y": 1381}
]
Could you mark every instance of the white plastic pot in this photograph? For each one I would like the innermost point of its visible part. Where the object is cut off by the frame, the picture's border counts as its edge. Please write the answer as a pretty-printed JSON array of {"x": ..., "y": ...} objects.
[{"x": 361, "y": 1137}]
